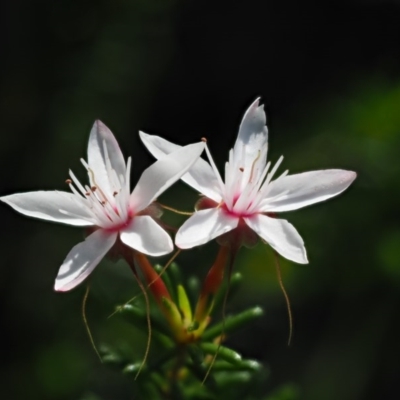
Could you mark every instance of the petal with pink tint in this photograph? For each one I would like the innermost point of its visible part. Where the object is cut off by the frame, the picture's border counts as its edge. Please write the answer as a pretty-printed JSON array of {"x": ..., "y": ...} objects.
[
  {"x": 83, "y": 258},
  {"x": 146, "y": 236},
  {"x": 280, "y": 235},
  {"x": 101, "y": 136},
  {"x": 252, "y": 142},
  {"x": 162, "y": 174},
  {"x": 203, "y": 226},
  {"x": 55, "y": 206},
  {"x": 301, "y": 190},
  {"x": 200, "y": 177}
]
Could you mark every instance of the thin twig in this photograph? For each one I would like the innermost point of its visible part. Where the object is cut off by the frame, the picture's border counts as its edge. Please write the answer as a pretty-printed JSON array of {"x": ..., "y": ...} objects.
[
  {"x": 146, "y": 298},
  {"x": 154, "y": 280},
  {"x": 289, "y": 309},
  {"x": 175, "y": 210},
  {"x": 85, "y": 297},
  {"x": 221, "y": 337}
]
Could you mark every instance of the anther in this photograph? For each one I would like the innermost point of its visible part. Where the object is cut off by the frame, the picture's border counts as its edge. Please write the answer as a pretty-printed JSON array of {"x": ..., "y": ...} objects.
[
  {"x": 87, "y": 193},
  {"x": 103, "y": 202},
  {"x": 203, "y": 139},
  {"x": 68, "y": 181},
  {"x": 93, "y": 188},
  {"x": 115, "y": 193},
  {"x": 241, "y": 169}
]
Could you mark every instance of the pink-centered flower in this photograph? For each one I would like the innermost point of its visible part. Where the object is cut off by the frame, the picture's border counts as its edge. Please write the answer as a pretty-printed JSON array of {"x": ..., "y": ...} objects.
[
  {"x": 107, "y": 205},
  {"x": 250, "y": 196}
]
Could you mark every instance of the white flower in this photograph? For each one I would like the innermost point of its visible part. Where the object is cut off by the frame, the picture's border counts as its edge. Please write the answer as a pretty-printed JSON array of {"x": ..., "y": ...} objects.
[
  {"x": 249, "y": 195},
  {"x": 107, "y": 204}
]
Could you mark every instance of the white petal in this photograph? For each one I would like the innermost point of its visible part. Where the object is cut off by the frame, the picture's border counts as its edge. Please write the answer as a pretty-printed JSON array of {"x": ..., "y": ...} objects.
[
  {"x": 250, "y": 150},
  {"x": 157, "y": 146},
  {"x": 83, "y": 258},
  {"x": 306, "y": 188},
  {"x": 280, "y": 235},
  {"x": 146, "y": 236},
  {"x": 100, "y": 135},
  {"x": 201, "y": 176},
  {"x": 54, "y": 206},
  {"x": 204, "y": 226},
  {"x": 162, "y": 174}
]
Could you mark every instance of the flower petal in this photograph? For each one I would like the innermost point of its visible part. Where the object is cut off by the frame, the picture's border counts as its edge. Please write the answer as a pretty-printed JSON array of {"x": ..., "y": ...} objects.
[
  {"x": 301, "y": 190},
  {"x": 54, "y": 206},
  {"x": 204, "y": 226},
  {"x": 163, "y": 173},
  {"x": 83, "y": 258},
  {"x": 100, "y": 135},
  {"x": 280, "y": 235},
  {"x": 201, "y": 176},
  {"x": 146, "y": 236},
  {"x": 250, "y": 150}
]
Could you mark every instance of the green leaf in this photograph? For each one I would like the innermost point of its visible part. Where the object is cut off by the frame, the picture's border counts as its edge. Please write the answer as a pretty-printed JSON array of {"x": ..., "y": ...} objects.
[
  {"x": 175, "y": 274},
  {"x": 132, "y": 369},
  {"x": 167, "y": 280},
  {"x": 196, "y": 354},
  {"x": 172, "y": 311},
  {"x": 231, "y": 379},
  {"x": 224, "y": 353},
  {"x": 244, "y": 365},
  {"x": 233, "y": 323},
  {"x": 235, "y": 281},
  {"x": 184, "y": 304},
  {"x": 138, "y": 317},
  {"x": 193, "y": 289}
]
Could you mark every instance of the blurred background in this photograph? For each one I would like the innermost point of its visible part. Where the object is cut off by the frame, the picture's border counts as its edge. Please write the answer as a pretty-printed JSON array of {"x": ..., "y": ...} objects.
[{"x": 329, "y": 76}]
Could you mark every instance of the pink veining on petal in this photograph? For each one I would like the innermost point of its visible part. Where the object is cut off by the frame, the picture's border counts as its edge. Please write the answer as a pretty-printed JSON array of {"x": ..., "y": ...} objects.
[
  {"x": 117, "y": 228},
  {"x": 233, "y": 213},
  {"x": 122, "y": 225}
]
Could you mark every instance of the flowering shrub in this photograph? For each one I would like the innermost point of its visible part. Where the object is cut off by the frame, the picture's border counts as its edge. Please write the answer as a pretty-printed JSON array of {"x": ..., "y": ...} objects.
[{"x": 235, "y": 211}]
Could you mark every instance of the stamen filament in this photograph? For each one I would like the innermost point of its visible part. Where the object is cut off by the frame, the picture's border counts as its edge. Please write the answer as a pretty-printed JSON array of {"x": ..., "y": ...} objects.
[
  {"x": 271, "y": 174},
  {"x": 77, "y": 183},
  {"x": 127, "y": 179},
  {"x": 228, "y": 185},
  {"x": 217, "y": 174}
]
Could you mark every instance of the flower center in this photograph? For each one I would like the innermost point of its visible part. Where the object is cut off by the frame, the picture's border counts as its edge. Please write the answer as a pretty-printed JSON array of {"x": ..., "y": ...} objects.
[
  {"x": 121, "y": 225},
  {"x": 107, "y": 198},
  {"x": 233, "y": 213}
]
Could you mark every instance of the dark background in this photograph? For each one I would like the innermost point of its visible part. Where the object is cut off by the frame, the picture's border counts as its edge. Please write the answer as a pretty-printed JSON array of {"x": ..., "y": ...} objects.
[{"x": 329, "y": 76}]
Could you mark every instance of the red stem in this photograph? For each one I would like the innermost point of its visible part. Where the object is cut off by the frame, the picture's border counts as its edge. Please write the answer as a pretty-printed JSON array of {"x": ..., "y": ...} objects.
[
  {"x": 211, "y": 284},
  {"x": 154, "y": 282}
]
